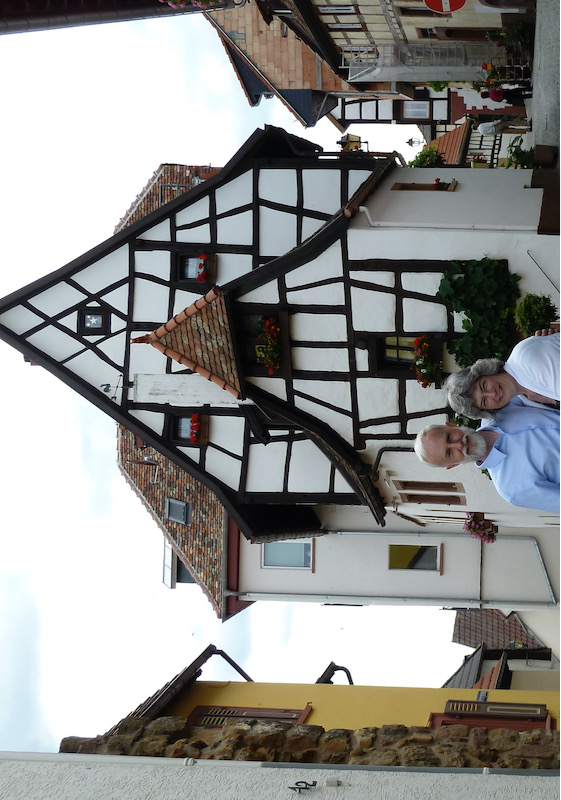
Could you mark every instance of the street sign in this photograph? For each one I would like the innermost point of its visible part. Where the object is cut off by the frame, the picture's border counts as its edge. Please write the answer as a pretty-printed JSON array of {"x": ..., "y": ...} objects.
[{"x": 445, "y": 6}]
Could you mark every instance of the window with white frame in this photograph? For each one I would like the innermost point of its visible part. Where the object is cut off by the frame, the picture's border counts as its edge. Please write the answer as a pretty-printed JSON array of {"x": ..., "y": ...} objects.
[{"x": 288, "y": 554}]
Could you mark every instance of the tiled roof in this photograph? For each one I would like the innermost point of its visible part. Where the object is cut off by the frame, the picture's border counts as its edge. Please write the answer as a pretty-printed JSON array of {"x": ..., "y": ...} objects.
[
  {"x": 452, "y": 143},
  {"x": 473, "y": 626},
  {"x": 468, "y": 674},
  {"x": 167, "y": 183},
  {"x": 199, "y": 337},
  {"x": 199, "y": 545}
]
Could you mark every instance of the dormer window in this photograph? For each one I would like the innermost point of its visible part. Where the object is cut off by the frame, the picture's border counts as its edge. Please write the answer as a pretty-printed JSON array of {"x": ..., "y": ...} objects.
[
  {"x": 199, "y": 267},
  {"x": 93, "y": 321}
]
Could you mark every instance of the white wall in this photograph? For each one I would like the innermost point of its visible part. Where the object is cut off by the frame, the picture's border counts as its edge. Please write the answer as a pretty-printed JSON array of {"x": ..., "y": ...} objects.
[{"x": 59, "y": 777}]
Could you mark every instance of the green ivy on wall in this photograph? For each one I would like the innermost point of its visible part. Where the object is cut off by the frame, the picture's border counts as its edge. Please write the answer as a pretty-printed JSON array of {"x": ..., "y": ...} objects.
[{"x": 487, "y": 293}]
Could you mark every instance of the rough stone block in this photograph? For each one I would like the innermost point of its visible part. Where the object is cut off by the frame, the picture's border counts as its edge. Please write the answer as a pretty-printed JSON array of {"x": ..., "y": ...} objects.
[
  {"x": 448, "y": 733},
  {"x": 383, "y": 758},
  {"x": 303, "y": 737},
  {"x": 120, "y": 745},
  {"x": 418, "y": 756},
  {"x": 132, "y": 726},
  {"x": 267, "y": 734},
  {"x": 336, "y": 740},
  {"x": 154, "y": 746},
  {"x": 364, "y": 739},
  {"x": 72, "y": 744},
  {"x": 453, "y": 756},
  {"x": 173, "y": 727},
  {"x": 502, "y": 739},
  {"x": 390, "y": 734}
]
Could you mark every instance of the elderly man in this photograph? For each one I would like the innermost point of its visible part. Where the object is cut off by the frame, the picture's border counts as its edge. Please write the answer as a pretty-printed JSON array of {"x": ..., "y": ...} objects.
[{"x": 519, "y": 447}]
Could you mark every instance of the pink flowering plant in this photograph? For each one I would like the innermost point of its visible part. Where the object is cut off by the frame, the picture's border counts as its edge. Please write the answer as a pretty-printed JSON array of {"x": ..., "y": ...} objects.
[
  {"x": 426, "y": 368},
  {"x": 269, "y": 352},
  {"x": 478, "y": 528}
]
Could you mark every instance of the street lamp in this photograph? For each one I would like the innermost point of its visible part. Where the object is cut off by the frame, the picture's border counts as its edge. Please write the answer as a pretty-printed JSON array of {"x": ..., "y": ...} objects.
[{"x": 414, "y": 142}]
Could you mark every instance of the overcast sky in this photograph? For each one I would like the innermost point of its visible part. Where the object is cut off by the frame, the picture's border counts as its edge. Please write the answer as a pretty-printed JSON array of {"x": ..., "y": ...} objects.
[{"x": 87, "y": 629}]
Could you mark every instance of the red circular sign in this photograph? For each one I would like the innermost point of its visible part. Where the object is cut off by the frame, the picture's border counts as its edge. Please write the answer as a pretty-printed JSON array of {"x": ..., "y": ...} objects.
[{"x": 445, "y": 6}]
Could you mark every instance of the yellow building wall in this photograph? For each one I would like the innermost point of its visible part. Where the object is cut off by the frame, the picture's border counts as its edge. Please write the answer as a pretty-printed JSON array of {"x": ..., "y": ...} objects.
[{"x": 348, "y": 706}]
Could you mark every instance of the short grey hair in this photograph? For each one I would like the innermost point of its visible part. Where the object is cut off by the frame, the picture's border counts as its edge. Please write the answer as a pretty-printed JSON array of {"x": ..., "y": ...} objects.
[
  {"x": 419, "y": 444},
  {"x": 459, "y": 386}
]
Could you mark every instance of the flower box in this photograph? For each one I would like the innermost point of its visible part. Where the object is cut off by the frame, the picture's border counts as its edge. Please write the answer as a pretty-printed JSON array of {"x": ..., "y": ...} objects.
[{"x": 199, "y": 429}]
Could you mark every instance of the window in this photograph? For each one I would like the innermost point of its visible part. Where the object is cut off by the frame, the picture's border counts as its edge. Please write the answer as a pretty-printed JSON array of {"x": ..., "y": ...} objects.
[
  {"x": 412, "y": 556},
  {"x": 189, "y": 429},
  {"x": 399, "y": 349},
  {"x": 93, "y": 321},
  {"x": 178, "y": 511},
  {"x": 416, "y": 109},
  {"x": 196, "y": 267},
  {"x": 437, "y": 499},
  {"x": 429, "y": 486},
  {"x": 288, "y": 554}
]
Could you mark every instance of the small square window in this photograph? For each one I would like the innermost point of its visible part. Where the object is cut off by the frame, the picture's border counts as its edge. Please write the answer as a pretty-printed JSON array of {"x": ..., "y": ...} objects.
[
  {"x": 199, "y": 267},
  {"x": 178, "y": 511},
  {"x": 93, "y": 321},
  {"x": 189, "y": 429}
]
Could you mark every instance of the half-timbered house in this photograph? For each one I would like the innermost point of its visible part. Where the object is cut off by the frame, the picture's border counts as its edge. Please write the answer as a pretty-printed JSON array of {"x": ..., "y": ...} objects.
[{"x": 257, "y": 331}]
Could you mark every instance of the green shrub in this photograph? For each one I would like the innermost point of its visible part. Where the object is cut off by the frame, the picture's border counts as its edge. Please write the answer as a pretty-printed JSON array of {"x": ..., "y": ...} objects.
[
  {"x": 428, "y": 157},
  {"x": 487, "y": 293},
  {"x": 534, "y": 311}
]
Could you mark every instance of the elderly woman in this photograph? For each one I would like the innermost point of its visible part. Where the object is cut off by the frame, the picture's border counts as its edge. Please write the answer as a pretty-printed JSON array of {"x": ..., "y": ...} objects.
[{"x": 531, "y": 372}]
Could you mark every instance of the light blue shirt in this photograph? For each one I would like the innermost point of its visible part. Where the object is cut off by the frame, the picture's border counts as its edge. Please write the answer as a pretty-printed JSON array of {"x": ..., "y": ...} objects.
[{"x": 524, "y": 461}]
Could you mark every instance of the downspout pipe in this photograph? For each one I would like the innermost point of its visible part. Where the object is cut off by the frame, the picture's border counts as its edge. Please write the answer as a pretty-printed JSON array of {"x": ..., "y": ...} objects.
[{"x": 449, "y": 226}]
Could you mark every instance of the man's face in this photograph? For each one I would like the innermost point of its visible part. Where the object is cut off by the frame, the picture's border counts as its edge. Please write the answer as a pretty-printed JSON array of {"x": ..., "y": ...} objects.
[
  {"x": 449, "y": 445},
  {"x": 493, "y": 391}
]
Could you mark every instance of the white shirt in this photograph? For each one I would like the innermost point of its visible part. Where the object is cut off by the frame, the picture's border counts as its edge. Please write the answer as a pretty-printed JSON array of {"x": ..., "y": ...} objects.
[{"x": 534, "y": 364}]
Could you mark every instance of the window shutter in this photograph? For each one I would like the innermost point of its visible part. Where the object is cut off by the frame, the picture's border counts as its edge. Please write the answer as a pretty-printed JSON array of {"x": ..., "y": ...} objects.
[{"x": 463, "y": 708}]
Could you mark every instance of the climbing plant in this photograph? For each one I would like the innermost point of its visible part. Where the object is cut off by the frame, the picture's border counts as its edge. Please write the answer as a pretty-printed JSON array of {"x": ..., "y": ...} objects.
[{"x": 486, "y": 292}]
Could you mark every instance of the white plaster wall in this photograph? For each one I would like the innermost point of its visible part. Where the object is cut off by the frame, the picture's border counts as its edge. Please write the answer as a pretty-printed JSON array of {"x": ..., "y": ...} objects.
[
  {"x": 144, "y": 358},
  {"x": 223, "y": 467},
  {"x": 268, "y": 293},
  {"x": 332, "y": 294},
  {"x": 265, "y": 470},
  {"x": 238, "y": 192},
  {"x": 273, "y": 386},
  {"x": 375, "y": 278},
  {"x": 377, "y": 397},
  {"x": 201, "y": 233},
  {"x": 309, "y": 226},
  {"x": 372, "y": 311},
  {"x": 59, "y": 777},
  {"x": 310, "y": 358},
  {"x": 318, "y": 327},
  {"x": 278, "y": 185},
  {"x": 57, "y": 298},
  {"x": 230, "y": 266},
  {"x": 20, "y": 319},
  {"x": 322, "y": 190},
  {"x": 119, "y": 299},
  {"x": 154, "y": 262},
  {"x": 178, "y": 390},
  {"x": 277, "y": 231},
  {"x": 150, "y": 301},
  {"x": 354, "y": 564},
  {"x": 237, "y": 229},
  {"x": 153, "y": 419},
  {"x": 228, "y": 432},
  {"x": 326, "y": 265},
  {"x": 159, "y": 233},
  {"x": 55, "y": 343},
  {"x": 193, "y": 213},
  {"x": 356, "y": 179},
  {"x": 310, "y": 469},
  {"x": 93, "y": 370},
  {"x": 109, "y": 269}
]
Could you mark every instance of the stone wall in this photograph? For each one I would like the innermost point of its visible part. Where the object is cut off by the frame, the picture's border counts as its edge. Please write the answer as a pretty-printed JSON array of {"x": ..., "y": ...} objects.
[{"x": 389, "y": 745}]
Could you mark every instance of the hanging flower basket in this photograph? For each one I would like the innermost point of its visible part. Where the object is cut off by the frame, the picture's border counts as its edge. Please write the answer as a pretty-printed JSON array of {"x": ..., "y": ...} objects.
[
  {"x": 428, "y": 370},
  {"x": 480, "y": 528},
  {"x": 268, "y": 351}
]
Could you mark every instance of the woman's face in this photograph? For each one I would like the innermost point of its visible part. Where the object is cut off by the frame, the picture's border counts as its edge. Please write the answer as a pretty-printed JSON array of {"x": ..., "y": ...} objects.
[{"x": 493, "y": 391}]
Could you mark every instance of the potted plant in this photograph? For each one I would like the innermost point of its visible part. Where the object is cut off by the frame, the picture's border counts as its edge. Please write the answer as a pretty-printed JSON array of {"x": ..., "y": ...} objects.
[
  {"x": 517, "y": 156},
  {"x": 428, "y": 369},
  {"x": 268, "y": 351},
  {"x": 480, "y": 528},
  {"x": 479, "y": 162},
  {"x": 533, "y": 312}
]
